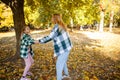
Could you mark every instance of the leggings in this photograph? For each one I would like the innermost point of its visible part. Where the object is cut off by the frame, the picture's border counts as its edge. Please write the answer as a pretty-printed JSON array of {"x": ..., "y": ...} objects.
[{"x": 28, "y": 62}]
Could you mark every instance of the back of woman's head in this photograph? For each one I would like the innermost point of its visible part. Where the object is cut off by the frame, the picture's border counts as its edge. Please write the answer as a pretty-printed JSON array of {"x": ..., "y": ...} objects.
[{"x": 57, "y": 19}]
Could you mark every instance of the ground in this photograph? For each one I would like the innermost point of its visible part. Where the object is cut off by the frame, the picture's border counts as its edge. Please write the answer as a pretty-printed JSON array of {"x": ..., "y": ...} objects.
[{"x": 94, "y": 56}]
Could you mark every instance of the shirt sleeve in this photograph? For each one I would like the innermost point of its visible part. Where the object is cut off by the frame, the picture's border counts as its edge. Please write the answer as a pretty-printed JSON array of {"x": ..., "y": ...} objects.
[
  {"x": 30, "y": 41},
  {"x": 50, "y": 36},
  {"x": 27, "y": 40}
]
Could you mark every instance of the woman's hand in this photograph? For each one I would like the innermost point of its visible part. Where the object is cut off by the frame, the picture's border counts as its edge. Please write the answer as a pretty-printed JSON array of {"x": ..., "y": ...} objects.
[
  {"x": 36, "y": 42},
  {"x": 54, "y": 59}
]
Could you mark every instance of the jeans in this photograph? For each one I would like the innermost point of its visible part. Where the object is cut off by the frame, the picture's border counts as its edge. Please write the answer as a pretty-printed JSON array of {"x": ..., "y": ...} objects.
[{"x": 61, "y": 65}]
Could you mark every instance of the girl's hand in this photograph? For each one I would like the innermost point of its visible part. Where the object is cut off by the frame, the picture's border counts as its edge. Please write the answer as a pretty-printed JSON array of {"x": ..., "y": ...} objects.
[
  {"x": 36, "y": 42},
  {"x": 38, "y": 38}
]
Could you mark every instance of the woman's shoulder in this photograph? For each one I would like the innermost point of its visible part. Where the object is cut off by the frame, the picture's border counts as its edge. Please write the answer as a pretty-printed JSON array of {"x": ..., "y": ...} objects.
[{"x": 55, "y": 27}]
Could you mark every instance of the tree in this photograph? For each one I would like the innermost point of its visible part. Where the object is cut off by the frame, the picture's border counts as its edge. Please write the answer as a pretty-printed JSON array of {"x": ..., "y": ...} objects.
[
  {"x": 108, "y": 9},
  {"x": 17, "y": 7},
  {"x": 113, "y": 9},
  {"x": 102, "y": 14}
]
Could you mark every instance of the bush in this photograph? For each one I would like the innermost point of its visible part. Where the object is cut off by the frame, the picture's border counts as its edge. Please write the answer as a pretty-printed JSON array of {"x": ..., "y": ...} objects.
[{"x": 4, "y": 29}]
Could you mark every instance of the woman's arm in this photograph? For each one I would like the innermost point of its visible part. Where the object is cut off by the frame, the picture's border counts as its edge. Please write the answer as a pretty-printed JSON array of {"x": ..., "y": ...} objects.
[{"x": 50, "y": 36}]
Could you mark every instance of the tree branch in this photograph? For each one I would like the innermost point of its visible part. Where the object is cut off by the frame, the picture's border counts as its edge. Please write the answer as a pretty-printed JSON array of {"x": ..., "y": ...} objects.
[{"x": 7, "y": 2}]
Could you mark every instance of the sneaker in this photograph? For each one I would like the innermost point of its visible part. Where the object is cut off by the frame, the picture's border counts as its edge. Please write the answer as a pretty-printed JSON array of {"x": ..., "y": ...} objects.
[
  {"x": 24, "y": 78},
  {"x": 66, "y": 78},
  {"x": 29, "y": 73}
]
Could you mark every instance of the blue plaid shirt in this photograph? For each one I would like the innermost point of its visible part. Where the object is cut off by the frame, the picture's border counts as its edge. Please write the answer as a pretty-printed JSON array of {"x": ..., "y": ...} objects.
[
  {"x": 61, "y": 40},
  {"x": 25, "y": 46}
]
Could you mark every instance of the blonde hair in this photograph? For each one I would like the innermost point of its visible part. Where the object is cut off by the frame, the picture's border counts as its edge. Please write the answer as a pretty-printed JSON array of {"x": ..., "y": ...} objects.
[
  {"x": 57, "y": 19},
  {"x": 23, "y": 29}
]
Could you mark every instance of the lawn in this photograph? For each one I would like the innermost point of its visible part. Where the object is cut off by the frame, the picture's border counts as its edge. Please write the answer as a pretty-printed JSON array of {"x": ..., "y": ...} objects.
[{"x": 94, "y": 56}]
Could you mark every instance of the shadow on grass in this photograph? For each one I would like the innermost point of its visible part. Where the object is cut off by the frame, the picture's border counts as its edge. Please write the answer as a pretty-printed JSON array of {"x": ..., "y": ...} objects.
[{"x": 7, "y": 47}]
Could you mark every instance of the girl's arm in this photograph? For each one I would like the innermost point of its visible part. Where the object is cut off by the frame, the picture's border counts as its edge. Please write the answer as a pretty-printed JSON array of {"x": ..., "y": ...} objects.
[
  {"x": 30, "y": 41},
  {"x": 27, "y": 40}
]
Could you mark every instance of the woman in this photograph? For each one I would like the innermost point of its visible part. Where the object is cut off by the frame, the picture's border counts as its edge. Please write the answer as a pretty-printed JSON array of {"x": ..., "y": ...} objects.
[{"x": 62, "y": 45}]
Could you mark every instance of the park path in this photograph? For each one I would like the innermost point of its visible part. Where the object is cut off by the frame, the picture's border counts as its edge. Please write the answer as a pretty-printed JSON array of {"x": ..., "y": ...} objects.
[
  {"x": 10, "y": 34},
  {"x": 109, "y": 42}
]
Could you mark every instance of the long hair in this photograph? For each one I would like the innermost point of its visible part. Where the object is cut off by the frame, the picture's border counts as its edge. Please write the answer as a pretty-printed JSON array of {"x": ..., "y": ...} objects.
[
  {"x": 23, "y": 29},
  {"x": 57, "y": 19}
]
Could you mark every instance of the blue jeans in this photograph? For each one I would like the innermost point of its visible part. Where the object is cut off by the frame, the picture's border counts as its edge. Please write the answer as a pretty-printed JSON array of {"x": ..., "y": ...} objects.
[{"x": 61, "y": 65}]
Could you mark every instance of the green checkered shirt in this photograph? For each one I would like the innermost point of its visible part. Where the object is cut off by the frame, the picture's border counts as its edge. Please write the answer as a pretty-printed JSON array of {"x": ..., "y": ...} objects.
[
  {"x": 26, "y": 42},
  {"x": 60, "y": 39}
]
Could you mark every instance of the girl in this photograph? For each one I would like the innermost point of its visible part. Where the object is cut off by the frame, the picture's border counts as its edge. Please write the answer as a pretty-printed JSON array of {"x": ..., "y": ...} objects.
[
  {"x": 62, "y": 45},
  {"x": 26, "y": 51}
]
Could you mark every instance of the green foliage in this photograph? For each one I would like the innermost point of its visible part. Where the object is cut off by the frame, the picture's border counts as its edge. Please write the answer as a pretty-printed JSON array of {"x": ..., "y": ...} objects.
[
  {"x": 38, "y": 12},
  {"x": 81, "y": 11},
  {"x": 45, "y": 11},
  {"x": 109, "y": 6}
]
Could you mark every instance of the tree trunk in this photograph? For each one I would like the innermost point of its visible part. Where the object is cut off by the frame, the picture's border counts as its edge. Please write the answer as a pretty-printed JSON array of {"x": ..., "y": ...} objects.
[
  {"x": 19, "y": 22},
  {"x": 101, "y": 21},
  {"x": 71, "y": 24},
  {"x": 111, "y": 21},
  {"x": 17, "y": 7}
]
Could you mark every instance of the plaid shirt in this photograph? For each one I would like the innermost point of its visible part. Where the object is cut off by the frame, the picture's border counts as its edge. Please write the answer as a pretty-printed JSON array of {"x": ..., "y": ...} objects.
[
  {"x": 61, "y": 40},
  {"x": 25, "y": 48}
]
